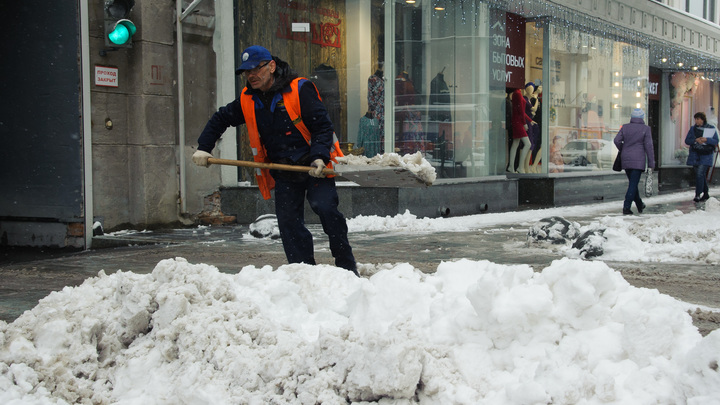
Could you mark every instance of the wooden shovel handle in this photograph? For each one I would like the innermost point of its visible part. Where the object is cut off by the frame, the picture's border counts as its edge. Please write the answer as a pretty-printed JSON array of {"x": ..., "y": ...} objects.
[{"x": 260, "y": 165}]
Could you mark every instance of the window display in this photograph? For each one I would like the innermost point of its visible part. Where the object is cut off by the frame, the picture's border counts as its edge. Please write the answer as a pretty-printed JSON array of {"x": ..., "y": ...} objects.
[
  {"x": 595, "y": 83},
  {"x": 448, "y": 89}
]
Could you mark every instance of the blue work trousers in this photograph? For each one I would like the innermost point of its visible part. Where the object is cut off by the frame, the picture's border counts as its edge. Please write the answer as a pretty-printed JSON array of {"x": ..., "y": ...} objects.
[
  {"x": 632, "y": 193},
  {"x": 290, "y": 211},
  {"x": 701, "y": 186}
]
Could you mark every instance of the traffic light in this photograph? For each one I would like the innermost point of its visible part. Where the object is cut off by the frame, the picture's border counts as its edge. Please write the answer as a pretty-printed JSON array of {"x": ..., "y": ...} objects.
[{"x": 118, "y": 29}]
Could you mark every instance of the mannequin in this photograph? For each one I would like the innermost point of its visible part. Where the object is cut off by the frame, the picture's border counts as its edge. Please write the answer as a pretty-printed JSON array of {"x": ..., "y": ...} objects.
[
  {"x": 409, "y": 137},
  {"x": 376, "y": 97},
  {"x": 439, "y": 95},
  {"x": 532, "y": 127},
  {"x": 369, "y": 136},
  {"x": 520, "y": 124},
  {"x": 536, "y": 100},
  {"x": 508, "y": 128},
  {"x": 325, "y": 78}
]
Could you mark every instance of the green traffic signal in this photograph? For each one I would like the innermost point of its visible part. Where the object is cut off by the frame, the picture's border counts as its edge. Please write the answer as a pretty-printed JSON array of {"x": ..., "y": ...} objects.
[{"x": 122, "y": 32}]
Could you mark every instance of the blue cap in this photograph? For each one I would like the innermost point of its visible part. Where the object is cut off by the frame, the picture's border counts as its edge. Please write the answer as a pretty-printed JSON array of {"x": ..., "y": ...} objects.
[
  {"x": 637, "y": 113},
  {"x": 252, "y": 57}
]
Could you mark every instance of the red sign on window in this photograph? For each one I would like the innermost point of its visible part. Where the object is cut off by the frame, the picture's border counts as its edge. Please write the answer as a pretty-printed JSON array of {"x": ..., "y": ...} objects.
[{"x": 515, "y": 51}]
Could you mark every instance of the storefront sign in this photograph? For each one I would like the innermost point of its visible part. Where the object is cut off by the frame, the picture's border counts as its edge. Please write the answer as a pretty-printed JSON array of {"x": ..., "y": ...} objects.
[
  {"x": 515, "y": 51},
  {"x": 106, "y": 76},
  {"x": 497, "y": 49},
  {"x": 321, "y": 33},
  {"x": 653, "y": 87}
]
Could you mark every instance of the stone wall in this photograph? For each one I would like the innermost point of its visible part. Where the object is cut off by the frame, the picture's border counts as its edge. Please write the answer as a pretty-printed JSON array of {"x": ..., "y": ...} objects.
[{"x": 136, "y": 160}]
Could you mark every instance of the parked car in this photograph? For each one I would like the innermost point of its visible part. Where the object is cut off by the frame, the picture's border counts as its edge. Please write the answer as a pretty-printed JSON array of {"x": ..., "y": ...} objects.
[{"x": 585, "y": 152}]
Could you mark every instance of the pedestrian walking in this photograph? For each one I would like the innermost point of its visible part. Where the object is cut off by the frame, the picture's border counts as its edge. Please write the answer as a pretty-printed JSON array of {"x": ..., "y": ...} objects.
[
  {"x": 702, "y": 139},
  {"x": 287, "y": 123},
  {"x": 635, "y": 146}
]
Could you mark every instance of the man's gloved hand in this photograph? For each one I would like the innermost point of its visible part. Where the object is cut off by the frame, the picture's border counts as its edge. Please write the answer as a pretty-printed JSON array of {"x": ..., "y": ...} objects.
[
  {"x": 317, "y": 170},
  {"x": 649, "y": 170},
  {"x": 200, "y": 158}
]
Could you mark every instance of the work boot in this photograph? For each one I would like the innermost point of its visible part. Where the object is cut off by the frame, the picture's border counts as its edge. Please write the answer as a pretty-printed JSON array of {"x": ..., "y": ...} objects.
[
  {"x": 705, "y": 197},
  {"x": 627, "y": 211}
]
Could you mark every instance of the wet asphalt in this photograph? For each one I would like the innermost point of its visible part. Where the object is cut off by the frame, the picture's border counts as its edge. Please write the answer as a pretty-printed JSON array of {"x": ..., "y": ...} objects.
[{"x": 29, "y": 275}]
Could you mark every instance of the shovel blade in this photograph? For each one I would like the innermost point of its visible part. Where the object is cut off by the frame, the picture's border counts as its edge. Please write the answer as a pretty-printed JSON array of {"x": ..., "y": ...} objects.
[{"x": 379, "y": 176}]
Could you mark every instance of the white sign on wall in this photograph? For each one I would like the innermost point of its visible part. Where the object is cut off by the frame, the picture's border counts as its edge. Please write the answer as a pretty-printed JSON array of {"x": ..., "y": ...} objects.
[
  {"x": 106, "y": 76},
  {"x": 300, "y": 27}
]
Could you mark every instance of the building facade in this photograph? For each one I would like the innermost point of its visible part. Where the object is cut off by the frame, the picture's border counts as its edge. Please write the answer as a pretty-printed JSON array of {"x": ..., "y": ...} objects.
[{"x": 440, "y": 77}]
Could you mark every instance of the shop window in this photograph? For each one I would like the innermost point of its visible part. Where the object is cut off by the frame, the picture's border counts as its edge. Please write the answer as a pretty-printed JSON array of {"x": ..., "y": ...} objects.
[
  {"x": 690, "y": 92},
  {"x": 339, "y": 46},
  {"x": 449, "y": 86},
  {"x": 595, "y": 83}
]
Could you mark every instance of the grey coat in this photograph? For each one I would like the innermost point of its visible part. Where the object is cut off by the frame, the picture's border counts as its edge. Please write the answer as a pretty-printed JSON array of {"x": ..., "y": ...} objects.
[{"x": 634, "y": 140}]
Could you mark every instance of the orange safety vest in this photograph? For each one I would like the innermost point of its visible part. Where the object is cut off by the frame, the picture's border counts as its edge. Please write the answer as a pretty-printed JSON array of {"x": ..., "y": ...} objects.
[{"x": 291, "y": 100}]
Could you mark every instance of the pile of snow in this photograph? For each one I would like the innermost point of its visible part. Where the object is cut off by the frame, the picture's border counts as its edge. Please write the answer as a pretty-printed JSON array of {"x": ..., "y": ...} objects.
[
  {"x": 556, "y": 230},
  {"x": 559, "y": 231},
  {"x": 414, "y": 163},
  {"x": 473, "y": 332},
  {"x": 672, "y": 236}
]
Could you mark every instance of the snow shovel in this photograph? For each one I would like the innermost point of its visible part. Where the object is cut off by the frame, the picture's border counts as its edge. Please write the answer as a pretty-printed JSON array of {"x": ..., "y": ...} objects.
[{"x": 363, "y": 175}]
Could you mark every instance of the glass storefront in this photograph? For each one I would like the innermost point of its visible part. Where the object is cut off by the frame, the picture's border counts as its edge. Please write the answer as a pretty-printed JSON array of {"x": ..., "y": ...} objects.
[
  {"x": 449, "y": 86},
  {"x": 434, "y": 77},
  {"x": 595, "y": 83},
  {"x": 690, "y": 92}
]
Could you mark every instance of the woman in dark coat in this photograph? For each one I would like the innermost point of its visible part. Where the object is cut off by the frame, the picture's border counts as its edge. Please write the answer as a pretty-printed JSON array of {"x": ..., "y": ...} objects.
[
  {"x": 634, "y": 142},
  {"x": 700, "y": 157}
]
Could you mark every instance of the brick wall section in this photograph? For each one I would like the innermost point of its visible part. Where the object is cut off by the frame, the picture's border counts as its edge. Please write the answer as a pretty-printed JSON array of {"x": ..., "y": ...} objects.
[{"x": 212, "y": 213}]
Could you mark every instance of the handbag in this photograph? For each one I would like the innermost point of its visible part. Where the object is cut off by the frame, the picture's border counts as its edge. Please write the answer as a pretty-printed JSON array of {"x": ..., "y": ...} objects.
[
  {"x": 617, "y": 165},
  {"x": 703, "y": 149},
  {"x": 648, "y": 183}
]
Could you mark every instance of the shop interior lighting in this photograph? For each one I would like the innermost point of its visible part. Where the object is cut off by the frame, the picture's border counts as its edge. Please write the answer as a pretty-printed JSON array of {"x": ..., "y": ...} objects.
[
  {"x": 694, "y": 68},
  {"x": 663, "y": 60},
  {"x": 410, "y": 1},
  {"x": 616, "y": 95},
  {"x": 638, "y": 94},
  {"x": 680, "y": 64},
  {"x": 439, "y": 8},
  {"x": 638, "y": 105}
]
